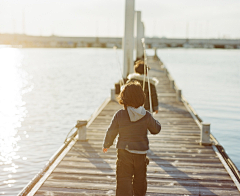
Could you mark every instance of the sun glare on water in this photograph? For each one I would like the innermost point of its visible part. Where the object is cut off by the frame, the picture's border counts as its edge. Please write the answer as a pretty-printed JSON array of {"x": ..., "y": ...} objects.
[{"x": 12, "y": 110}]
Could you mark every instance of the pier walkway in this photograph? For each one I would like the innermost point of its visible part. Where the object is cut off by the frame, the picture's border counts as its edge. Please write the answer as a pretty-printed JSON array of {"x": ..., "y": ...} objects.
[{"x": 178, "y": 164}]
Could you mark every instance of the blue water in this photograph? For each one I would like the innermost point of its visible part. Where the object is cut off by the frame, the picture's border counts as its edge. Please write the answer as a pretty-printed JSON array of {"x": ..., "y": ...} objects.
[{"x": 45, "y": 91}]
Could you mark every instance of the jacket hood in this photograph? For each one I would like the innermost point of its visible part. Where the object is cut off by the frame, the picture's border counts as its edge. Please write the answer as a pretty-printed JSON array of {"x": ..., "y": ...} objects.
[
  {"x": 138, "y": 76},
  {"x": 136, "y": 114}
]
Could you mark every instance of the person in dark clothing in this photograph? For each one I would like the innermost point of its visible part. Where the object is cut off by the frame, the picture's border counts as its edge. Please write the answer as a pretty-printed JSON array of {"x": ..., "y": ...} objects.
[
  {"x": 139, "y": 76},
  {"x": 131, "y": 124}
]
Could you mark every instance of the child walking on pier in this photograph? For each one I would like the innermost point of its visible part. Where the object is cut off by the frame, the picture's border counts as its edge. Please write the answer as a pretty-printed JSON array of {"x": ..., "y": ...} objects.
[
  {"x": 139, "y": 76},
  {"x": 131, "y": 124}
]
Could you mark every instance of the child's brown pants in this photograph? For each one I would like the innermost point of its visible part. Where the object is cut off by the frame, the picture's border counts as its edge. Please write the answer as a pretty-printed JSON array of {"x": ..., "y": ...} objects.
[{"x": 131, "y": 174}]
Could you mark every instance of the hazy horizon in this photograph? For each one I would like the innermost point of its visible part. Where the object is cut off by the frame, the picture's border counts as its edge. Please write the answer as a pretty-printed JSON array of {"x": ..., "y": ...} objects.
[{"x": 105, "y": 18}]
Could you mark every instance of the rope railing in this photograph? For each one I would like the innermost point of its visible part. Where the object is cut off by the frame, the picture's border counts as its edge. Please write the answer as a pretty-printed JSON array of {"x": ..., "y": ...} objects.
[{"x": 69, "y": 138}]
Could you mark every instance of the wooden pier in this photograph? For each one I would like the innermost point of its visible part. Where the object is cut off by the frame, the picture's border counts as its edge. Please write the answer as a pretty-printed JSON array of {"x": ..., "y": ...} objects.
[{"x": 179, "y": 165}]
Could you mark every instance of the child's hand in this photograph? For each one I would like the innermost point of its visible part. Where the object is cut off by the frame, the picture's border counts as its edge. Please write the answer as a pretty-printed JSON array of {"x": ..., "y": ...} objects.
[{"x": 105, "y": 150}]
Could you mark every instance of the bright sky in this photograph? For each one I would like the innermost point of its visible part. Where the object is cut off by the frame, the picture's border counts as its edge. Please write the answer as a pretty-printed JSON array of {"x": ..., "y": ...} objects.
[{"x": 169, "y": 18}]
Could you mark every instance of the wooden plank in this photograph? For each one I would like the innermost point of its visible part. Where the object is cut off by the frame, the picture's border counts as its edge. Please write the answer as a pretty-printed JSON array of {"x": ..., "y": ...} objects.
[
  {"x": 46, "y": 191},
  {"x": 199, "y": 190},
  {"x": 205, "y": 152},
  {"x": 158, "y": 153},
  {"x": 160, "y": 174},
  {"x": 151, "y": 181},
  {"x": 151, "y": 168},
  {"x": 160, "y": 144},
  {"x": 186, "y": 164}
]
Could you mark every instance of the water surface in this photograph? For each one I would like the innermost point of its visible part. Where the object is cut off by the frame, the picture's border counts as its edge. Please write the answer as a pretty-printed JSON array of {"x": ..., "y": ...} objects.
[
  {"x": 210, "y": 80},
  {"x": 45, "y": 91}
]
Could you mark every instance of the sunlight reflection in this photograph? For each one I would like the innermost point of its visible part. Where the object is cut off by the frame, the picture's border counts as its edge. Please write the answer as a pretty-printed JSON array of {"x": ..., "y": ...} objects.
[{"x": 13, "y": 82}]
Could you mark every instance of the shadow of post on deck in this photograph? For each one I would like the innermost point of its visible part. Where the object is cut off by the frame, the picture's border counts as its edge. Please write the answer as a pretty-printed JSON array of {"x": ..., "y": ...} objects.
[
  {"x": 202, "y": 190},
  {"x": 90, "y": 152}
]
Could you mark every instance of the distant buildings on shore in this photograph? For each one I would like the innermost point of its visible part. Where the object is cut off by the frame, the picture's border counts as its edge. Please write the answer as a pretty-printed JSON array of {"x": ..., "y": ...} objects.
[{"x": 27, "y": 41}]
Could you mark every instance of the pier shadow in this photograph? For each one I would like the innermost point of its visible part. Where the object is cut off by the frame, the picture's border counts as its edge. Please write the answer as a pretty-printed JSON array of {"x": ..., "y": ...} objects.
[
  {"x": 92, "y": 154},
  {"x": 199, "y": 188}
]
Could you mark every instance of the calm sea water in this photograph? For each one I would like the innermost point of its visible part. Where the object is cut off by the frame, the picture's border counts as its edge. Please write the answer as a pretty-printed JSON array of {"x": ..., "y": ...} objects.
[
  {"x": 45, "y": 91},
  {"x": 210, "y": 80}
]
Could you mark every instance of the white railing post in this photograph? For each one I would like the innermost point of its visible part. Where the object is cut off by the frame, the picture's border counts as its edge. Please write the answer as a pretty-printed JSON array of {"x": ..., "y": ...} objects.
[
  {"x": 113, "y": 96},
  {"x": 155, "y": 53},
  {"x": 205, "y": 134},
  {"x": 117, "y": 87},
  {"x": 172, "y": 84},
  {"x": 165, "y": 71},
  {"x": 82, "y": 129},
  {"x": 179, "y": 95}
]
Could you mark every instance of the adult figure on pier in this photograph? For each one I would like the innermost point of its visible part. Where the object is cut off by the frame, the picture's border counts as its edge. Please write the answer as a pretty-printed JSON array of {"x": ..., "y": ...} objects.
[{"x": 139, "y": 76}]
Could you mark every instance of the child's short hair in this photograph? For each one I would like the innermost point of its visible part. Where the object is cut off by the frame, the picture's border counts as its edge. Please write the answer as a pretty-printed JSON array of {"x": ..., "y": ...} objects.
[
  {"x": 139, "y": 67},
  {"x": 132, "y": 95}
]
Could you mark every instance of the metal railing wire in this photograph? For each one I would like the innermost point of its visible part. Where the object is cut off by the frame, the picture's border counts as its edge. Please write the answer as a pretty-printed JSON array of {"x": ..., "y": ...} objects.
[
  {"x": 227, "y": 159},
  {"x": 39, "y": 175}
]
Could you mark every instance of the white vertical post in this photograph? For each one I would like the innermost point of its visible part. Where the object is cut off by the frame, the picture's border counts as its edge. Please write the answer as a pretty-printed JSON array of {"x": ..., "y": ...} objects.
[
  {"x": 171, "y": 84},
  {"x": 113, "y": 94},
  {"x": 205, "y": 134},
  {"x": 128, "y": 40},
  {"x": 143, "y": 32},
  {"x": 155, "y": 52},
  {"x": 179, "y": 95},
  {"x": 139, "y": 35},
  {"x": 81, "y": 126},
  {"x": 142, "y": 29},
  {"x": 165, "y": 71}
]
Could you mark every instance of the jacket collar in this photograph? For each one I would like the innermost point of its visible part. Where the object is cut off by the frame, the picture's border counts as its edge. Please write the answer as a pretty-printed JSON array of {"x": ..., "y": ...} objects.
[
  {"x": 136, "y": 114},
  {"x": 138, "y": 76}
]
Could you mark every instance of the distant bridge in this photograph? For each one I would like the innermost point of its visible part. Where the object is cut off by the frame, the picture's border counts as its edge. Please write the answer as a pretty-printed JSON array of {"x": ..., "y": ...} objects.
[{"x": 27, "y": 41}]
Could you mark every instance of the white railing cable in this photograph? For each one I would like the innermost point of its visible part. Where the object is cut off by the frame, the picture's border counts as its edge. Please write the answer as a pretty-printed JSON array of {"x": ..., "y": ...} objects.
[{"x": 147, "y": 68}]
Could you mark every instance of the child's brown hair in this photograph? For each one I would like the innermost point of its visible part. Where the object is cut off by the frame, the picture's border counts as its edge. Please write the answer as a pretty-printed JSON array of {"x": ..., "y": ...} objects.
[
  {"x": 132, "y": 95},
  {"x": 139, "y": 67}
]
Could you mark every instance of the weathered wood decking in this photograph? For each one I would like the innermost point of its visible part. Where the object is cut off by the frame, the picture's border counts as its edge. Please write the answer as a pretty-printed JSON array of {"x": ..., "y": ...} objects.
[{"x": 178, "y": 164}]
